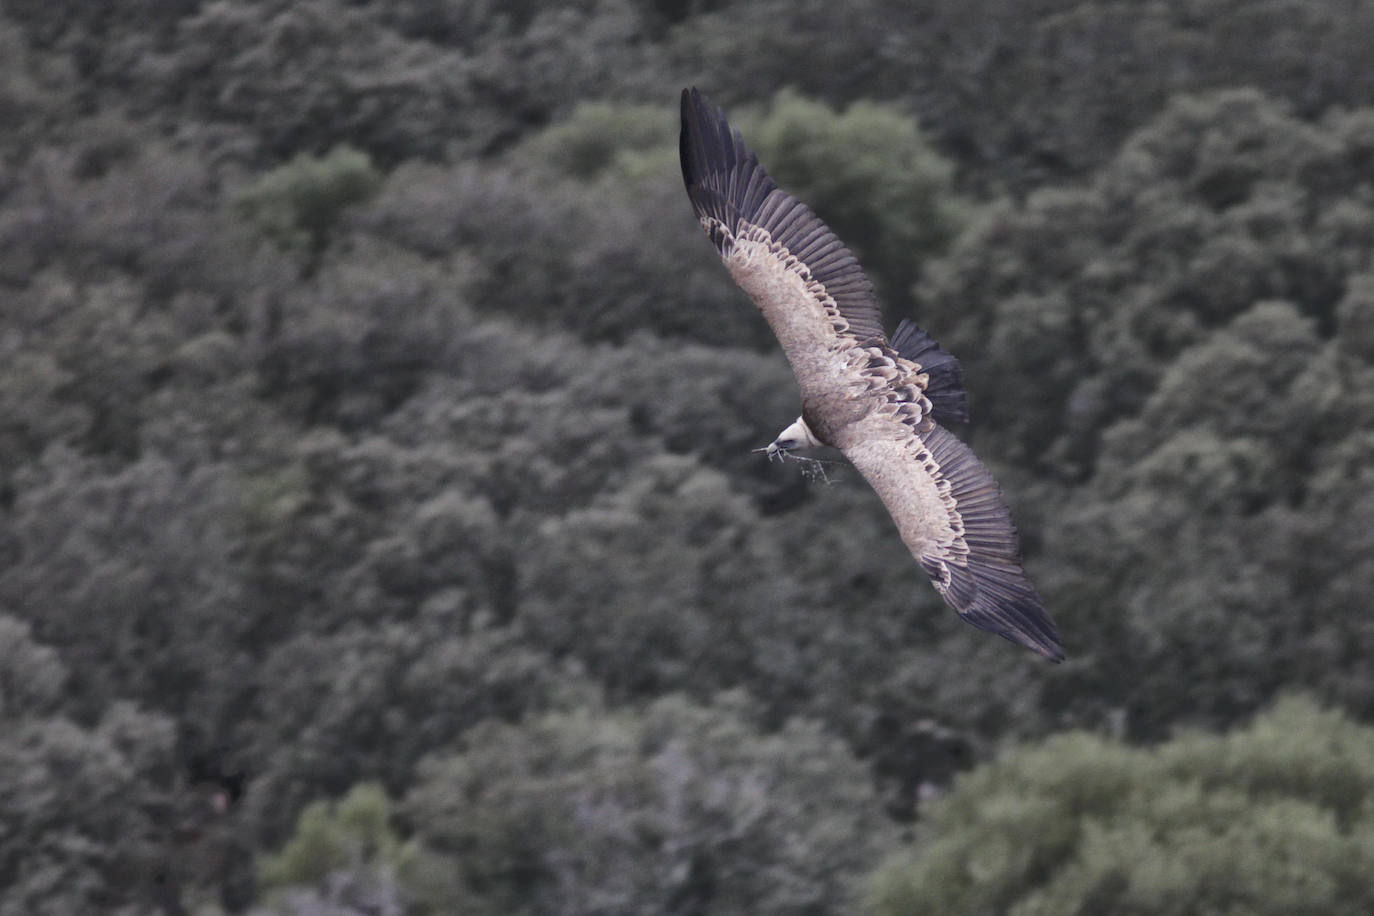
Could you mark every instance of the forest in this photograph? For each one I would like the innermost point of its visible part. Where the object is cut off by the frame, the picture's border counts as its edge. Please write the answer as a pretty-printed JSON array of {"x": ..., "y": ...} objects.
[{"x": 380, "y": 531}]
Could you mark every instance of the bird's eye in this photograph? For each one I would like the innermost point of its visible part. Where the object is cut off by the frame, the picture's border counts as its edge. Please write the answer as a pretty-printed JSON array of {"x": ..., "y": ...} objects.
[{"x": 787, "y": 443}]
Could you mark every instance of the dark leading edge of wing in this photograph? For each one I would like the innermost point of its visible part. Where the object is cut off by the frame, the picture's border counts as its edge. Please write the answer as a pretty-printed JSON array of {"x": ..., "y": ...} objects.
[
  {"x": 992, "y": 592},
  {"x": 725, "y": 182}
]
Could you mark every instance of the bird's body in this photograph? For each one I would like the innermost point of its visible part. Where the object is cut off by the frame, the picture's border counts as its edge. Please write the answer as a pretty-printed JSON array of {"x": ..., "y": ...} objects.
[{"x": 876, "y": 400}]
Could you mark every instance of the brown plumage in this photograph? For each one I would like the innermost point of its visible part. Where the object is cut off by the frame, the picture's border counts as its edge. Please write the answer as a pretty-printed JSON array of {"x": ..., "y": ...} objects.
[{"x": 877, "y": 401}]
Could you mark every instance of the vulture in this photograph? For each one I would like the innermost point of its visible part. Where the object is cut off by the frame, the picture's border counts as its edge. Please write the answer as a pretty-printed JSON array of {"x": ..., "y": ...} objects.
[{"x": 883, "y": 402}]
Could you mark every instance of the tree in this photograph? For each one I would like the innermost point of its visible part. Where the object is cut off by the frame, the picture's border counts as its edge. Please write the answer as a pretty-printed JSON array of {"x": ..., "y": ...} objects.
[
  {"x": 1094, "y": 290},
  {"x": 548, "y": 228},
  {"x": 1029, "y": 94},
  {"x": 88, "y": 811},
  {"x": 673, "y": 809},
  {"x": 297, "y": 204},
  {"x": 370, "y": 704},
  {"x": 544, "y": 235},
  {"x": 1272, "y": 818},
  {"x": 1187, "y": 331},
  {"x": 344, "y": 857},
  {"x": 293, "y": 80}
]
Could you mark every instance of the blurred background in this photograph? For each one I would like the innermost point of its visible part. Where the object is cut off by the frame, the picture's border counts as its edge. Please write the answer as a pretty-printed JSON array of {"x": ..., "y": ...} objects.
[{"x": 379, "y": 531}]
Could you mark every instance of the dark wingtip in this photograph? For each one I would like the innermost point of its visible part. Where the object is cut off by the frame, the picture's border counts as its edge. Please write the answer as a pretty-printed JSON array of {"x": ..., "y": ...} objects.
[
  {"x": 1053, "y": 651},
  {"x": 990, "y": 588},
  {"x": 689, "y": 140},
  {"x": 683, "y": 144},
  {"x": 1037, "y": 629},
  {"x": 991, "y": 597},
  {"x": 706, "y": 143},
  {"x": 1031, "y": 628},
  {"x": 690, "y": 99}
]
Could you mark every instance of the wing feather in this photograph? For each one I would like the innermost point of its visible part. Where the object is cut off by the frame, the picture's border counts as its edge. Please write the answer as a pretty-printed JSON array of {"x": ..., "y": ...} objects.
[
  {"x": 952, "y": 516},
  {"x": 945, "y": 387},
  {"x": 727, "y": 185},
  {"x": 984, "y": 582}
]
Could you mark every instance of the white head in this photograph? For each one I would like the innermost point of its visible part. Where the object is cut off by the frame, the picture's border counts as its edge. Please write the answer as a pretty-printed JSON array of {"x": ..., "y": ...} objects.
[{"x": 798, "y": 435}]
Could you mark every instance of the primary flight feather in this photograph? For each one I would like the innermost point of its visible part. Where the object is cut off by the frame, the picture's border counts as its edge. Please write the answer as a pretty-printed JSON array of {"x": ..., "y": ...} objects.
[{"x": 878, "y": 401}]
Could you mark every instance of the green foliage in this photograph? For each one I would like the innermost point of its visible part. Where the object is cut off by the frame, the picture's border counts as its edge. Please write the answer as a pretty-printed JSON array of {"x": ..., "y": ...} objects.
[
  {"x": 1177, "y": 316},
  {"x": 382, "y": 699},
  {"x": 551, "y": 247},
  {"x": 598, "y": 138},
  {"x": 677, "y": 807},
  {"x": 604, "y": 257},
  {"x": 99, "y": 203},
  {"x": 298, "y": 204},
  {"x": 1212, "y": 208},
  {"x": 1274, "y": 818},
  {"x": 352, "y": 834},
  {"x": 1355, "y": 317},
  {"x": 72, "y": 529},
  {"x": 35, "y": 91},
  {"x": 32, "y": 676},
  {"x": 84, "y": 808},
  {"x": 1027, "y": 94},
  {"x": 399, "y": 81},
  {"x": 292, "y": 79},
  {"x": 462, "y": 454}
]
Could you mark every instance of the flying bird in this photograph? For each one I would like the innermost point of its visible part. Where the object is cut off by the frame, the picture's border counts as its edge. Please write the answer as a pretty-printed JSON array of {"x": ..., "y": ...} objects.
[{"x": 881, "y": 402}]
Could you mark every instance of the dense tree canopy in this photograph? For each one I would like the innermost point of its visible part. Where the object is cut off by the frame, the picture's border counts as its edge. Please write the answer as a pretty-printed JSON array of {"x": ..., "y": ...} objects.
[
  {"x": 1272, "y": 819},
  {"x": 379, "y": 530}
]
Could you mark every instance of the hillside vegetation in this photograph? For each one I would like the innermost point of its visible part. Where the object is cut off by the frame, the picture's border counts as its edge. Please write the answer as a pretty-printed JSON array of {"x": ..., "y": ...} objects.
[{"x": 379, "y": 530}]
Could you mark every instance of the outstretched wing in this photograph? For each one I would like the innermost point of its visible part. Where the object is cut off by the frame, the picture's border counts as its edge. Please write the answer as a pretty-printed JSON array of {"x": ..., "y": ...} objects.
[
  {"x": 953, "y": 518},
  {"x": 806, "y": 282}
]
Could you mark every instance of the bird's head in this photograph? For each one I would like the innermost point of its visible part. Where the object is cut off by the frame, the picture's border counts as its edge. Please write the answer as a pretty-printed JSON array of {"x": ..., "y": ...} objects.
[{"x": 798, "y": 435}]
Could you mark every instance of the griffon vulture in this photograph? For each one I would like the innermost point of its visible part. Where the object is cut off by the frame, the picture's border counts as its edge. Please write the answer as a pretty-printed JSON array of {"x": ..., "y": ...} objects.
[{"x": 880, "y": 402}]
